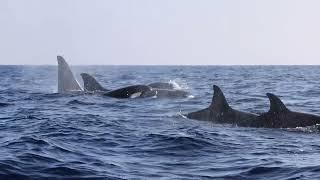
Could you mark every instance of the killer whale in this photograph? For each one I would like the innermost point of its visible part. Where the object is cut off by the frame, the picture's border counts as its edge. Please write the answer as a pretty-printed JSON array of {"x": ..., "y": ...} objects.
[
  {"x": 92, "y": 85},
  {"x": 66, "y": 80},
  {"x": 68, "y": 83},
  {"x": 279, "y": 116},
  {"x": 145, "y": 91},
  {"x": 220, "y": 111},
  {"x": 129, "y": 92}
]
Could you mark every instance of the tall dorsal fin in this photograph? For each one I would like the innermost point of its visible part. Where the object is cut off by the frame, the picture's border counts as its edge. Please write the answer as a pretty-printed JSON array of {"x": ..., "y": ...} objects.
[
  {"x": 91, "y": 84},
  {"x": 219, "y": 102},
  {"x": 66, "y": 80},
  {"x": 276, "y": 105}
]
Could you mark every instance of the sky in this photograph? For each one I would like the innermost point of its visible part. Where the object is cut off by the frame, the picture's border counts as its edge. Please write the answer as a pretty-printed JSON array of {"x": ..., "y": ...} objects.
[{"x": 160, "y": 32}]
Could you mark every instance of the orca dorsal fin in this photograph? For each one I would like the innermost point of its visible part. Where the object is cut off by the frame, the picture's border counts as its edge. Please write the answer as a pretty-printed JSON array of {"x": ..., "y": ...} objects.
[
  {"x": 219, "y": 102},
  {"x": 276, "y": 105},
  {"x": 66, "y": 80},
  {"x": 91, "y": 84}
]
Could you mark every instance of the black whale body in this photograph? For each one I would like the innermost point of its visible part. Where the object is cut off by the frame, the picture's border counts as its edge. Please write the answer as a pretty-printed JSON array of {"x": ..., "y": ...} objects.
[
  {"x": 278, "y": 116},
  {"x": 219, "y": 111},
  {"x": 150, "y": 90},
  {"x": 130, "y": 91}
]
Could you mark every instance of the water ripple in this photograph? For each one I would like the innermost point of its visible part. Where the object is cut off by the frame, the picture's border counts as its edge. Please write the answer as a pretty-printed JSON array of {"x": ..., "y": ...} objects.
[{"x": 46, "y": 135}]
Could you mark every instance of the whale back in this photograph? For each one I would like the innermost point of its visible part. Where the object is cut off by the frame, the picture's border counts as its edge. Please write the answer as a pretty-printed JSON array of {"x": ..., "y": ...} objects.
[
  {"x": 218, "y": 107},
  {"x": 91, "y": 84},
  {"x": 130, "y": 91},
  {"x": 219, "y": 103},
  {"x": 276, "y": 105},
  {"x": 279, "y": 116},
  {"x": 219, "y": 111},
  {"x": 66, "y": 80}
]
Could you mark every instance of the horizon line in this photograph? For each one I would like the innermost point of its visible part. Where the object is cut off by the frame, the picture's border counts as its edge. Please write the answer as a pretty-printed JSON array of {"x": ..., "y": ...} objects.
[{"x": 163, "y": 64}]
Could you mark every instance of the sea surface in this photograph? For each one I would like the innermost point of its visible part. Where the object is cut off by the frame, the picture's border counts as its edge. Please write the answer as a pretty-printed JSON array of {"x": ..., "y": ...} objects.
[{"x": 46, "y": 135}]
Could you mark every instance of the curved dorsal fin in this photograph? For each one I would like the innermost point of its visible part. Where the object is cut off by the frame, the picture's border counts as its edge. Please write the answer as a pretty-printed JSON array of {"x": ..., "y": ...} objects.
[
  {"x": 66, "y": 80},
  {"x": 276, "y": 105},
  {"x": 219, "y": 102},
  {"x": 91, "y": 84}
]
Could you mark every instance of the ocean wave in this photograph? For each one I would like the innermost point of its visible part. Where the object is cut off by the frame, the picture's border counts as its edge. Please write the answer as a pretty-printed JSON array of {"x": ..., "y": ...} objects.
[
  {"x": 6, "y": 104},
  {"x": 47, "y": 135},
  {"x": 173, "y": 145},
  {"x": 75, "y": 102}
]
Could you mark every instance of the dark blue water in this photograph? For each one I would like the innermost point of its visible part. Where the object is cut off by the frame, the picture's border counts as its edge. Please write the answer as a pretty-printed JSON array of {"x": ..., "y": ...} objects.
[{"x": 48, "y": 135}]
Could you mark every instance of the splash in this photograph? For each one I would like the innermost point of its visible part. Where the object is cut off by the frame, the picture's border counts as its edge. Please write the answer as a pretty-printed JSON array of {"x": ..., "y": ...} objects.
[
  {"x": 308, "y": 129},
  {"x": 190, "y": 97},
  {"x": 180, "y": 114},
  {"x": 179, "y": 84}
]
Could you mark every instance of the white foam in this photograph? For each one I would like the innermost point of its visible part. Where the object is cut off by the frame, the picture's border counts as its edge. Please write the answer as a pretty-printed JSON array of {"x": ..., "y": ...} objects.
[
  {"x": 182, "y": 115},
  {"x": 178, "y": 84},
  {"x": 190, "y": 96}
]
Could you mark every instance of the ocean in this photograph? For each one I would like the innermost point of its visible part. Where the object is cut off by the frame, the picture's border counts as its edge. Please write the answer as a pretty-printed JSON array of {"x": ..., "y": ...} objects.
[{"x": 46, "y": 135}]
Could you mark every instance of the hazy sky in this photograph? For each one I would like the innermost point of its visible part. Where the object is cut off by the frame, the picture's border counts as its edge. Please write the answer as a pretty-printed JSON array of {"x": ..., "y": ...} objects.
[{"x": 160, "y": 31}]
